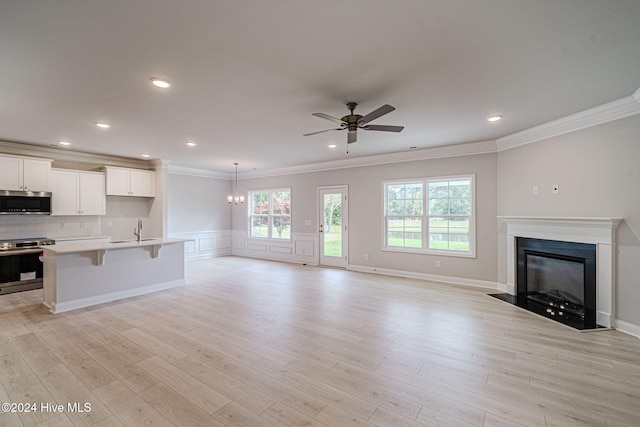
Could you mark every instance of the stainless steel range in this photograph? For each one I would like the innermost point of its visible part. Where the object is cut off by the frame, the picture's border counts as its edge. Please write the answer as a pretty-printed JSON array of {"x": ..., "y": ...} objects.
[{"x": 21, "y": 264}]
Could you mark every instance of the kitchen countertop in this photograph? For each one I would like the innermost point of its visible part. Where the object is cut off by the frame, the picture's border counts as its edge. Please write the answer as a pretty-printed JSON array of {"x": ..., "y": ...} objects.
[
  {"x": 72, "y": 239},
  {"x": 107, "y": 246}
]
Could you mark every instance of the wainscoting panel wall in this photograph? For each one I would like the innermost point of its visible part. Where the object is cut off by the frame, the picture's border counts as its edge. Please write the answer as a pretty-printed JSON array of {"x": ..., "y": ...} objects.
[
  {"x": 300, "y": 249},
  {"x": 206, "y": 244}
]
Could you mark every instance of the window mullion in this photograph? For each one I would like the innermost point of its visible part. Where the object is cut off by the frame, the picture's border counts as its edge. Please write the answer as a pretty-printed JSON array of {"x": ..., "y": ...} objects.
[{"x": 425, "y": 216}]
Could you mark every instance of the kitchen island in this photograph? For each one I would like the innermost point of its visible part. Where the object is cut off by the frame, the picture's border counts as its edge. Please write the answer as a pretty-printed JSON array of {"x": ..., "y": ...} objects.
[{"x": 83, "y": 274}]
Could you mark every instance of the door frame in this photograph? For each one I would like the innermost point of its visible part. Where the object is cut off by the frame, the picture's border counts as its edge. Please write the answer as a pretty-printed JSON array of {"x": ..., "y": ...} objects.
[{"x": 344, "y": 189}]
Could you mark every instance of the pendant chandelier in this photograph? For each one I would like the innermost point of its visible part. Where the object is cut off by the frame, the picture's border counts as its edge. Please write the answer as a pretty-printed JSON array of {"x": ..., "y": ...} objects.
[{"x": 235, "y": 199}]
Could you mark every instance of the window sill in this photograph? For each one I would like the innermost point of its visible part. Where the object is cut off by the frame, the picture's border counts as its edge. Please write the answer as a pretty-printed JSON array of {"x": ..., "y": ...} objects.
[{"x": 470, "y": 254}]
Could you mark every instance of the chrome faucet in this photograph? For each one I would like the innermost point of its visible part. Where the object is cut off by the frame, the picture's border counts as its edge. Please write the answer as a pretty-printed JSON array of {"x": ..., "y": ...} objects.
[{"x": 138, "y": 231}]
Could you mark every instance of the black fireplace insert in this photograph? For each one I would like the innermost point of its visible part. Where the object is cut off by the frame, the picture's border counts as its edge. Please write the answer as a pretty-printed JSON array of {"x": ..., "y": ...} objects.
[{"x": 557, "y": 280}]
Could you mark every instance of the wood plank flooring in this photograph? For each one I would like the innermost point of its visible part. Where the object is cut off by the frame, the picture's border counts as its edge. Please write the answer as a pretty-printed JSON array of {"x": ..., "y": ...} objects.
[{"x": 257, "y": 343}]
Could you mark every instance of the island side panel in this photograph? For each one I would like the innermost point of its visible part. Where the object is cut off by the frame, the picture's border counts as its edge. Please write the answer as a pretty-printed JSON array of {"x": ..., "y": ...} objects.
[
  {"x": 81, "y": 280},
  {"x": 49, "y": 279}
]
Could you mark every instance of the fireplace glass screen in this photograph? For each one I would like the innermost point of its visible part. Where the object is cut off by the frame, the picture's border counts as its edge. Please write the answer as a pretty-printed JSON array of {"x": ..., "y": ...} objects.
[{"x": 559, "y": 279}]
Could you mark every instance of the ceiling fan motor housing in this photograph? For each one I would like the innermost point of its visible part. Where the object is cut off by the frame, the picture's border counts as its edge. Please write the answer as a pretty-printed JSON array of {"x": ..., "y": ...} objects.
[{"x": 352, "y": 119}]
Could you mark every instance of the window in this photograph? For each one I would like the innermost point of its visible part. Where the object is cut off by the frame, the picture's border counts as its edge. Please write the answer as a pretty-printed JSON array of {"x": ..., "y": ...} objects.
[
  {"x": 430, "y": 215},
  {"x": 270, "y": 214}
]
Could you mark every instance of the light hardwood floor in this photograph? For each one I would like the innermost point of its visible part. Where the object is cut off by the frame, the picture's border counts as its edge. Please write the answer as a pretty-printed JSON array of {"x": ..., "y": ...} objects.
[{"x": 258, "y": 343}]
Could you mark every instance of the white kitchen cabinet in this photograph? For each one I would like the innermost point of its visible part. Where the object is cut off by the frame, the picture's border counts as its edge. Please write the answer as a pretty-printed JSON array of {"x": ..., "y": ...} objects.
[
  {"x": 77, "y": 193},
  {"x": 130, "y": 182},
  {"x": 24, "y": 174}
]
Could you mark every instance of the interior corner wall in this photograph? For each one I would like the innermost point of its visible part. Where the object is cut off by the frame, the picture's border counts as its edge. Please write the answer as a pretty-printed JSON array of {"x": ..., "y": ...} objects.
[
  {"x": 198, "y": 211},
  {"x": 366, "y": 215},
  {"x": 598, "y": 174}
]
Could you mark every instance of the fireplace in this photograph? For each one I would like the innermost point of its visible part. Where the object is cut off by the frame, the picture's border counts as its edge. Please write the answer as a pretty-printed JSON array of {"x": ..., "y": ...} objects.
[
  {"x": 557, "y": 279},
  {"x": 600, "y": 232}
]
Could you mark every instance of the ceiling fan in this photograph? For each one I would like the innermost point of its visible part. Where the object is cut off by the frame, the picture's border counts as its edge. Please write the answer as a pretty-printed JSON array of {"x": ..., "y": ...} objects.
[{"x": 352, "y": 122}]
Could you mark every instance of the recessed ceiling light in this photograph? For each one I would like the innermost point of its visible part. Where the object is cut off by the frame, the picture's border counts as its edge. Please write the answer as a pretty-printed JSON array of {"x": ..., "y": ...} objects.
[
  {"x": 64, "y": 143},
  {"x": 160, "y": 82},
  {"x": 191, "y": 143},
  {"x": 494, "y": 118},
  {"x": 103, "y": 125},
  {"x": 146, "y": 156},
  {"x": 332, "y": 145}
]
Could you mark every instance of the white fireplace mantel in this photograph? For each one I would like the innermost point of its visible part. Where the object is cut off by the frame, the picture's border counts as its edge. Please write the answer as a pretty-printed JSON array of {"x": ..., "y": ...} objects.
[{"x": 598, "y": 231}]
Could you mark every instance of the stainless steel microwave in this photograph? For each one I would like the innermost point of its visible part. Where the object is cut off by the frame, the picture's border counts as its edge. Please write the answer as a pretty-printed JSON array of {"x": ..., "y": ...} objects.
[{"x": 25, "y": 202}]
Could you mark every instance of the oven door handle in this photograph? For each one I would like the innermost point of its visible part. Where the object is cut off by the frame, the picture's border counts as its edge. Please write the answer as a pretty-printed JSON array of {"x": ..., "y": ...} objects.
[{"x": 10, "y": 252}]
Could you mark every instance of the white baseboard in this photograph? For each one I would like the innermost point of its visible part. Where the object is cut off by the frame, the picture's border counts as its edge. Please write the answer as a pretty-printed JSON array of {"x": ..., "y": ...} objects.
[
  {"x": 275, "y": 257},
  {"x": 206, "y": 255},
  {"x": 425, "y": 276},
  {"x": 627, "y": 328},
  {"x": 508, "y": 288},
  {"x": 114, "y": 296}
]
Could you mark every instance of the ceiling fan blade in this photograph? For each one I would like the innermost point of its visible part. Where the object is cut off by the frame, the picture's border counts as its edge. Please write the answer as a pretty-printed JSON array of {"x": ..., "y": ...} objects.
[
  {"x": 383, "y": 128},
  {"x": 385, "y": 109},
  {"x": 352, "y": 137},
  {"x": 328, "y": 117},
  {"x": 321, "y": 131}
]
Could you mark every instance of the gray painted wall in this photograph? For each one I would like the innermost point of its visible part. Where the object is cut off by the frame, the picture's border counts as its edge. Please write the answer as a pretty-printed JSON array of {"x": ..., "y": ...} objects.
[
  {"x": 197, "y": 203},
  {"x": 365, "y": 212},
  {"x": 598, "y": 173}
]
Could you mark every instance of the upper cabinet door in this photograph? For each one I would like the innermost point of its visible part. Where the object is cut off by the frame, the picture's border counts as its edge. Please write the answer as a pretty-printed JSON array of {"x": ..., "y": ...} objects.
[
  {"x": 64, "y": 193},
  {"x": 130, "y": 182},
  {"x": 118, "y": 182},
  {"x": 92, "y": 194},
  {"x": 77, "y": 193},
  {"x": 10, "y": 173},
  {"x": 37, "y": 175},
  {"x": 24, "y": 174},
  {"x": 143, "y": 183}
]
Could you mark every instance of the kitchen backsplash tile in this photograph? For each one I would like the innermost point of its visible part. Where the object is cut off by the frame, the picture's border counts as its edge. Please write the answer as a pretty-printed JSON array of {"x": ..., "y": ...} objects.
[{"x": 25, "y": 226}]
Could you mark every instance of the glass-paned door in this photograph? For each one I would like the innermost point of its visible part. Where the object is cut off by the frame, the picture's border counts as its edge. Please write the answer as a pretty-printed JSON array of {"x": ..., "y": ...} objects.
[{"x": 333, "y": 226}]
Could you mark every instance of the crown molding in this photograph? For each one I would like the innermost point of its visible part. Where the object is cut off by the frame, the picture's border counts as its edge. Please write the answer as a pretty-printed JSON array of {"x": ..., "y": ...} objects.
[
  {"x": 160, "y": 163},
  {"x": 614, "y": 110},
  {"x": 468, "y": 149},
  {"x": 183, "y": 170},
  {"x": 69, "y": 155}
]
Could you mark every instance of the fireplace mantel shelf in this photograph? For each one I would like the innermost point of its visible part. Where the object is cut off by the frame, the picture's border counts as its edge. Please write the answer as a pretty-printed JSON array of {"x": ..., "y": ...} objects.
[{"x": 611, "y": 222}]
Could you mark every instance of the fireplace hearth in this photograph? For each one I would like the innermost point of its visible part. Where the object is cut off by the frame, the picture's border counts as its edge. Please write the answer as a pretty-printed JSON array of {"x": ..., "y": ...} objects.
[{"x": 557, "y": 279}]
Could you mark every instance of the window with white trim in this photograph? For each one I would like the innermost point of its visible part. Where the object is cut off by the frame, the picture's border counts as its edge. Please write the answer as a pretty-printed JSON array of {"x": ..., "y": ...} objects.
[
  {"x": 270, "y": 214},
  {"x": 430, "y": 215}
]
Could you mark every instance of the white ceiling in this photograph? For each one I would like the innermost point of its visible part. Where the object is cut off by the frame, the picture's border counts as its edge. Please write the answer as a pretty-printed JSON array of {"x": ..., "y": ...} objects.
[{"x": 248, "y": 73}]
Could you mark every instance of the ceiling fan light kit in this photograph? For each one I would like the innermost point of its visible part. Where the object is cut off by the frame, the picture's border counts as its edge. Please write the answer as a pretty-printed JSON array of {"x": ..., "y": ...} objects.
[{"x": 352, "y": 122}]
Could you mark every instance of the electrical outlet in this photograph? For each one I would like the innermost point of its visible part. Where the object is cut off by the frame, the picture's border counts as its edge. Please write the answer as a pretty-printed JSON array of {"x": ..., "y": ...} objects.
[
  {"x": 438, "y": 264},
  {"x": 366, "y": 257},
  {"x": 109, "y": 224},
  {"x": 535, "y": 190},
  {"x": 555, "y": 189}
]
